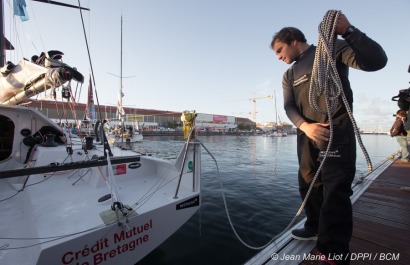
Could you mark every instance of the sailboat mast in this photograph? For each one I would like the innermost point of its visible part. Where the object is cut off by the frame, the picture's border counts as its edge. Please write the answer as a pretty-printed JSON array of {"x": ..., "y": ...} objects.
[
  {"x": 121, "y": 114},
  {"x": 122, "y": 118},
  {"x": 2, "y": 42},
  {"x": 276, "y": 110},
  {"x": 121, "y": 65}
]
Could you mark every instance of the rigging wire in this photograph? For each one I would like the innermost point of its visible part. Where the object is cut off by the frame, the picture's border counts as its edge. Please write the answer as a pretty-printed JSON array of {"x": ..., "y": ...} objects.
[{"x": 89, "y": 59}]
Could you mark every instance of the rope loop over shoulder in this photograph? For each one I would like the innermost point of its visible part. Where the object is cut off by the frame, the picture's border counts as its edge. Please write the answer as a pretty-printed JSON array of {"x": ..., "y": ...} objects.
[{"x": 325, "y": 78}]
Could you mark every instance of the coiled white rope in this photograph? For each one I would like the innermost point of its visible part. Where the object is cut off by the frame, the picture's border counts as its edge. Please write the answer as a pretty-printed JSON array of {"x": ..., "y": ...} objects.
[{"x": 325, "y": 78}]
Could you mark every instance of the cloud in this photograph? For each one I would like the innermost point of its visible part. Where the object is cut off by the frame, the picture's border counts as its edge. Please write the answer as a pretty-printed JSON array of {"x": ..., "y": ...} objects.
[{"x": 373, "y": 112}]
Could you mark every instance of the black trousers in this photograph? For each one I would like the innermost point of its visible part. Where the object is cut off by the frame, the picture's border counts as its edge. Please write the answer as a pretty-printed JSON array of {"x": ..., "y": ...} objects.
[{"x": 328, "y": 208}]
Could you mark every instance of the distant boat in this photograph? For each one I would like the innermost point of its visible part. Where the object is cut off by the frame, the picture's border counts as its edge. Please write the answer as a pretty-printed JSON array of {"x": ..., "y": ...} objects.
[
  {"x": 130, "y": 133},
  {"x": 276, "y": 134}
]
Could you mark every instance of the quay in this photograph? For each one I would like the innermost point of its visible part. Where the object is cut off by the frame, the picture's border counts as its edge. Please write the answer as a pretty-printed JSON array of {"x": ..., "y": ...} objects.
[
  {"x": 381, "y": 223},
  {"x": 151, "y": 122},
  {"x": 201, "y": 133},
  {"x": 148, "y": 119}
]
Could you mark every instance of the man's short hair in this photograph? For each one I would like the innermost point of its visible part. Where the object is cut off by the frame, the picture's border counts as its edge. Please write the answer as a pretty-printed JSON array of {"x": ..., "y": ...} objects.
[{"x": 287, "y": 35}]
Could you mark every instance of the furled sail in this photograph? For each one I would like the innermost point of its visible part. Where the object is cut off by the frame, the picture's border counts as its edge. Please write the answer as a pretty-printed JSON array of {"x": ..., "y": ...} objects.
[
  {"x": 26, "y": 79},
  {"x": 89, "y": 113}
]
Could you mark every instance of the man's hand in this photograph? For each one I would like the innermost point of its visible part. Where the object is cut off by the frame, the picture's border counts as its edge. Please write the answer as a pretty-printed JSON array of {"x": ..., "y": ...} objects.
[
  {"x": 316, "y": 131},
  {"x": 342, "y": 24}
]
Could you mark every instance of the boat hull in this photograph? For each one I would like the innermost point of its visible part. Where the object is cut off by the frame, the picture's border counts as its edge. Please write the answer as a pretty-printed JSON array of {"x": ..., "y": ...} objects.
[
  {"x": 64, "y": 202},
  {"x": 121, "y": 244}
]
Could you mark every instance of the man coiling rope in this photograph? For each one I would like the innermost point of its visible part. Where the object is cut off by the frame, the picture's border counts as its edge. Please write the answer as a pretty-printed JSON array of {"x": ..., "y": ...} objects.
[
  {"x": 328, "y": 209},
  {"x": 312, "y": 89}
]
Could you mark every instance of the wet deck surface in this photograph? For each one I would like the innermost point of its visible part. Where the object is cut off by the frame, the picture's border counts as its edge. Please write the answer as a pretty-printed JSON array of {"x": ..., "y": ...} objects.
[{"x": 381, "y": 218}]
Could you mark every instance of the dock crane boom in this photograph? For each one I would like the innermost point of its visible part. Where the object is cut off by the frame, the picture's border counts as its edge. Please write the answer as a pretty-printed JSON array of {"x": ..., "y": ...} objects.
[{"x": 253, "y": 100}]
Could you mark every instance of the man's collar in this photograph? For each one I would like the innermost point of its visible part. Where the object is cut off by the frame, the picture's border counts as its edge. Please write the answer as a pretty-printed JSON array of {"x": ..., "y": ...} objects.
[{"x": 308, "y": 50}]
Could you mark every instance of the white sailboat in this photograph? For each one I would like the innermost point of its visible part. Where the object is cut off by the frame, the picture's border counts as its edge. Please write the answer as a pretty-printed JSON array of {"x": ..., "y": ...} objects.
[
  {"x": 71, "y": 200},
  {"x": 60, "y": 197}
]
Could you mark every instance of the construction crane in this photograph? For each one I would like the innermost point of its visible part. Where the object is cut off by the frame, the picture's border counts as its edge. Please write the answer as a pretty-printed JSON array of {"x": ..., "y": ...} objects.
[{"x": 253, "y": 100}]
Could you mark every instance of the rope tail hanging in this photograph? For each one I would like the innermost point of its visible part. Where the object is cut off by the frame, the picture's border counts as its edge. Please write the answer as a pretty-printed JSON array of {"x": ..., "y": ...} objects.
[{"x": 325, "y": 78}]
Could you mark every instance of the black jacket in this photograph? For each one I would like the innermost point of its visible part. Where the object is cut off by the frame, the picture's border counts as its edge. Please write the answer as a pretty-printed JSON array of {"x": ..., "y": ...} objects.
[{"x": 357, "y": 51}]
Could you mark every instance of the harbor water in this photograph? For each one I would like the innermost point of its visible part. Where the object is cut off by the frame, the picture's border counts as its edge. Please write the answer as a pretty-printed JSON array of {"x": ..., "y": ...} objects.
[{"x": 258, "y": 177}]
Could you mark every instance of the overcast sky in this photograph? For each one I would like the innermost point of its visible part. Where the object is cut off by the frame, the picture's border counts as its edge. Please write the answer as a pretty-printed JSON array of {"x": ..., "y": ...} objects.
[{"x": 210, "y": 56}]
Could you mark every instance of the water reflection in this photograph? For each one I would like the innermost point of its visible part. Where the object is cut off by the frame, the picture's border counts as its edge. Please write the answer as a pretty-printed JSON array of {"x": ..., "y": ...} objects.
[{"x": 259, "y": 176}]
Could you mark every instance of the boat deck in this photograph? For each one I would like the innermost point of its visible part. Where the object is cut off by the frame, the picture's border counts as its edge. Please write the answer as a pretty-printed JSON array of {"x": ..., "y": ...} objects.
[{"x": 381, "y": 218}]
